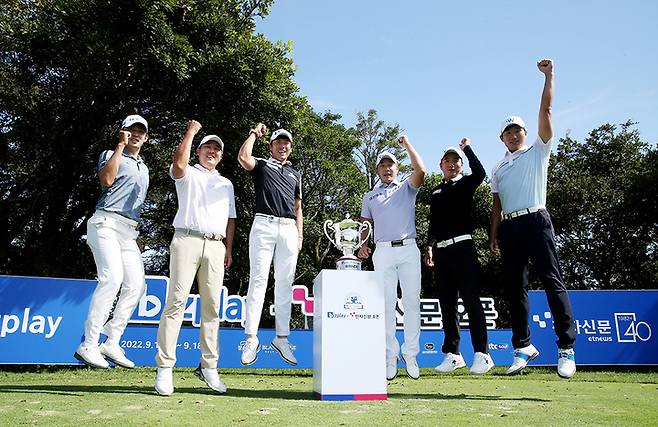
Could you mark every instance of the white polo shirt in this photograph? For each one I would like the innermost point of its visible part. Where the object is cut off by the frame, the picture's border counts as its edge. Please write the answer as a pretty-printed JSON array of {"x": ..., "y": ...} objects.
[
  {"x": 205, "y": 200},
  {"x": 392, "y": 207},
  {"x": 520, "y": 178}
]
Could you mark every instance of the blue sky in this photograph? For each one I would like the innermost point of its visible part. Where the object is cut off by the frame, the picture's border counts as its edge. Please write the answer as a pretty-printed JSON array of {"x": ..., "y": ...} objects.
[{"x": 444, "y": 70}]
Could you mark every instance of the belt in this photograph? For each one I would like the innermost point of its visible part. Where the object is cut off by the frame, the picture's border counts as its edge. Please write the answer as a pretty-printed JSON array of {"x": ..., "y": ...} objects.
[
  {"x": 122, "y": 219},
  {"x": 206, "y": 236},
  {"x": 396, "y": 243},
  {"x": 272, "y": 218},
  {"x": 522, "y": 212},
  {"x": 446, "y": 243}
]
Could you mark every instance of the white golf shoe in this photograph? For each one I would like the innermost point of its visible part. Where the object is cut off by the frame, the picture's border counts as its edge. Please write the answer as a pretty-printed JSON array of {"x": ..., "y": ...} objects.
[
  {"x": 115, "y": 354},
  {"x": 450, "y": 363},
  {"x": 391, "y": 368},
  {"x": 211, "y": 377},
  {"x": 91, "y": 356},
  {"x": 482, "y": 363},
  {"x": 164, "y": 381},
  {"x": 250, "y": 349},
  {"x": 283, "y": 347},
  {"x": 566, "y": 363},
  {"x": 411, "y": 366},
  {"x": 521, "y": 358}
]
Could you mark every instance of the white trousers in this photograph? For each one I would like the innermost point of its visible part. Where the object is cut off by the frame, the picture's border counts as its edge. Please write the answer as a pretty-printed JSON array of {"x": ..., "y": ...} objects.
[
  {"x": 190, "y": 257},
  {"x": 267, "y": 239},
  {"x": 401, "y": 263},
  {"x": 119, "y": 266}
]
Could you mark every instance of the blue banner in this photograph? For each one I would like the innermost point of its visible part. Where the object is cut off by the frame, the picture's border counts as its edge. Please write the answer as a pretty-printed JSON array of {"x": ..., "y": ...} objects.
[
  {"x": 612, "y": 327},
  {"x": 41, "y": 322}
]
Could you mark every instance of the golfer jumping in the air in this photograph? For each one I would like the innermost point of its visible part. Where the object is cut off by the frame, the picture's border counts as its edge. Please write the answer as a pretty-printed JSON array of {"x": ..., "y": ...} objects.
[{"x": 522, "y": 228}]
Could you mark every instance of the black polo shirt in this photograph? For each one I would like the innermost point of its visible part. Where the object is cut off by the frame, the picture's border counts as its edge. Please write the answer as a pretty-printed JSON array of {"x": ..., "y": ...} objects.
[
  {"x": 277, "y": 186},
  {"x": 451, "y": 211}
]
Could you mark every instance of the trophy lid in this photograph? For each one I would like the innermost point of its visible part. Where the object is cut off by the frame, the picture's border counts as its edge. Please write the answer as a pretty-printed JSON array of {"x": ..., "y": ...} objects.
[{"x": 348, "y": 223}]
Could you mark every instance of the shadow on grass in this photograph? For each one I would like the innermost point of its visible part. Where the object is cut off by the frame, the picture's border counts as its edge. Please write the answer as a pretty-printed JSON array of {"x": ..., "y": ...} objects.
[
  {"x": 461, "y": 396},
  {"x": 78, "y": 390},
  {"x": 74, "y": 390}
]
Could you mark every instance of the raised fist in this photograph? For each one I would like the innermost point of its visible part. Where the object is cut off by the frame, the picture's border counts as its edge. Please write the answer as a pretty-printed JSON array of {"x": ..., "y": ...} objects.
[
  {"x": 545, "y": 66},
  {"x": 193, "y": 125},
  {"x": 260, "y": 129},
  {"x": 124, "y": 136}
]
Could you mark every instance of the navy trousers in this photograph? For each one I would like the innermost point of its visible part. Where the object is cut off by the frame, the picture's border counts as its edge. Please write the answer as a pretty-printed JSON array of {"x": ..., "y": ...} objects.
[
  {"x": 530, "y": 238},
  {"x": 458, "y": 274}
]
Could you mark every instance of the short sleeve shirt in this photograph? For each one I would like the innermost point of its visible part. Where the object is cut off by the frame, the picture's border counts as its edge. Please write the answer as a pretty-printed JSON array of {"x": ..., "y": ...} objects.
[
  {"x": 520, "y": 178},
  {"x": 392, "y": 207},
  {"x": 277, "y": 186},
  {"x": 127, "y": 194},
  {"x": 205, "y": 200}
]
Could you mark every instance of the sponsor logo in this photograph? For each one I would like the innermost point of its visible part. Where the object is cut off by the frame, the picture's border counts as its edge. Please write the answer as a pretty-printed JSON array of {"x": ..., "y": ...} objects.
[
  {"x": 150, "y": 306},
  {"x": 498, "y": 346},
  {"x": 630, "y": 330},
  {"x": 541, "y": 321},
  {"x": 29, "y": 323},
  {"x": 627, "y": 328},
  {"x": 429, "y": 348},
  {"x": 353, "y": 302},
  {"x": 352, "y": 316},
  {"x": 300, "y": 296}
]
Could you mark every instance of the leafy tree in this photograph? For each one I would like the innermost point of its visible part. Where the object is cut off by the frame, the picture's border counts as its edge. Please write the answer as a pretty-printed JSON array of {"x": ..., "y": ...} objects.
[
  {"x": 70, "y": 70},
  {"x": 602, "y": 196},
  {"x": 376, "y": 137}
]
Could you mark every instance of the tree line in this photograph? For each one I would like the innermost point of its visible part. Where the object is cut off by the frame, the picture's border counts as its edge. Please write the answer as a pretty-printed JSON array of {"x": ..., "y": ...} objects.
[{"x": 70, "y": 70}]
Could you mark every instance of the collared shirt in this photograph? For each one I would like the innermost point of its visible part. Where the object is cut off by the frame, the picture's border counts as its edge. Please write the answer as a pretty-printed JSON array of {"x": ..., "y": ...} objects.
[
  {"x": 392, "y": 207},
  {"x": 205, "y": 200},
  {"x": 127, "y": 193},
  {"x": 451, "y": 203},
  {"x": 520, "y": 178},
  {"x": 277, "y": 186}
]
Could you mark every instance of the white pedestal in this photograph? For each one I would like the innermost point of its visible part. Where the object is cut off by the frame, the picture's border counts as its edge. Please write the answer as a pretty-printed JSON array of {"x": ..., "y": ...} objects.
[{"x": 349, "y": 352}]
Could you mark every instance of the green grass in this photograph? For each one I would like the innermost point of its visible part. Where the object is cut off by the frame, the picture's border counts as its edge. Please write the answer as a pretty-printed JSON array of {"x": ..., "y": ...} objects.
[{"x": 82, "y": 397}]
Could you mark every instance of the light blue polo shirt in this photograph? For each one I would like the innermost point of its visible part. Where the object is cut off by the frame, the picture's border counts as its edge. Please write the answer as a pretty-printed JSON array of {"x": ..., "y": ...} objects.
[
  {"x": 520, "y": 178},
  {"x": 126, "y": 195},
  {"x": 392, "y": 207}
]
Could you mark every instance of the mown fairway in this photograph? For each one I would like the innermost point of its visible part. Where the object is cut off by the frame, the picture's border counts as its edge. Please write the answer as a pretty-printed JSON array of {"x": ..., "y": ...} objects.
[{"x": 82, "y": 397}]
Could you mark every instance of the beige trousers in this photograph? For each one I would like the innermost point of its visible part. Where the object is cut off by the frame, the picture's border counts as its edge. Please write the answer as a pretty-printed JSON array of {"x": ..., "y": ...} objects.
[{"x": 192, "y": 256}]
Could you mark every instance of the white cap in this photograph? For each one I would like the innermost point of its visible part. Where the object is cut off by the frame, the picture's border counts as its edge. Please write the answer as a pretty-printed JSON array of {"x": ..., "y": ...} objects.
[
  {"x": 453, "y": 150},
  {"x": 511, "y": 120},
  {"x": 281, "y": 133},
  {"x": 132, "y": 119},
  {"x": 386, "y": 155},
  {"x": 212, "y": 138}
]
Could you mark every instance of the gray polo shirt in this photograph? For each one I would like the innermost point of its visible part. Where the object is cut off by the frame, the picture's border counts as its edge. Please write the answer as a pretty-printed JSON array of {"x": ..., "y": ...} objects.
[
  {"x": 126, "y": 195},
  {"x": 520, "y": 178},
  {"x": 392, "y": 207}
]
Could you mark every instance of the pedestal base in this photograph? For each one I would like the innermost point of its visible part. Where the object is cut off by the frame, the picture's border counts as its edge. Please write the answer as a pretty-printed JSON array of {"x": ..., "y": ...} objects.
[{"x": 349, "y": 352}]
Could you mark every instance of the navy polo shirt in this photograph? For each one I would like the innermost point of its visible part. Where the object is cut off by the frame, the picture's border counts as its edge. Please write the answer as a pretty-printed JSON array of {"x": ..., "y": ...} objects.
[
  {"x": 277, "y": 186},
  {"x": 126, "y": 195}
]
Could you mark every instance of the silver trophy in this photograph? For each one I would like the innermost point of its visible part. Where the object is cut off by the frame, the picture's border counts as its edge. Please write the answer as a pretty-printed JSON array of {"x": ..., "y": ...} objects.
[{"x": 347, "y": 238}]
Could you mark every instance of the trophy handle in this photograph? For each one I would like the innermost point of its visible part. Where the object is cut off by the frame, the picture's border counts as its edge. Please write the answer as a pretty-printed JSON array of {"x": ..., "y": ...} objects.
[
  {"x": 365, "y": 224},
  {"x": 327, "y": 225}
]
